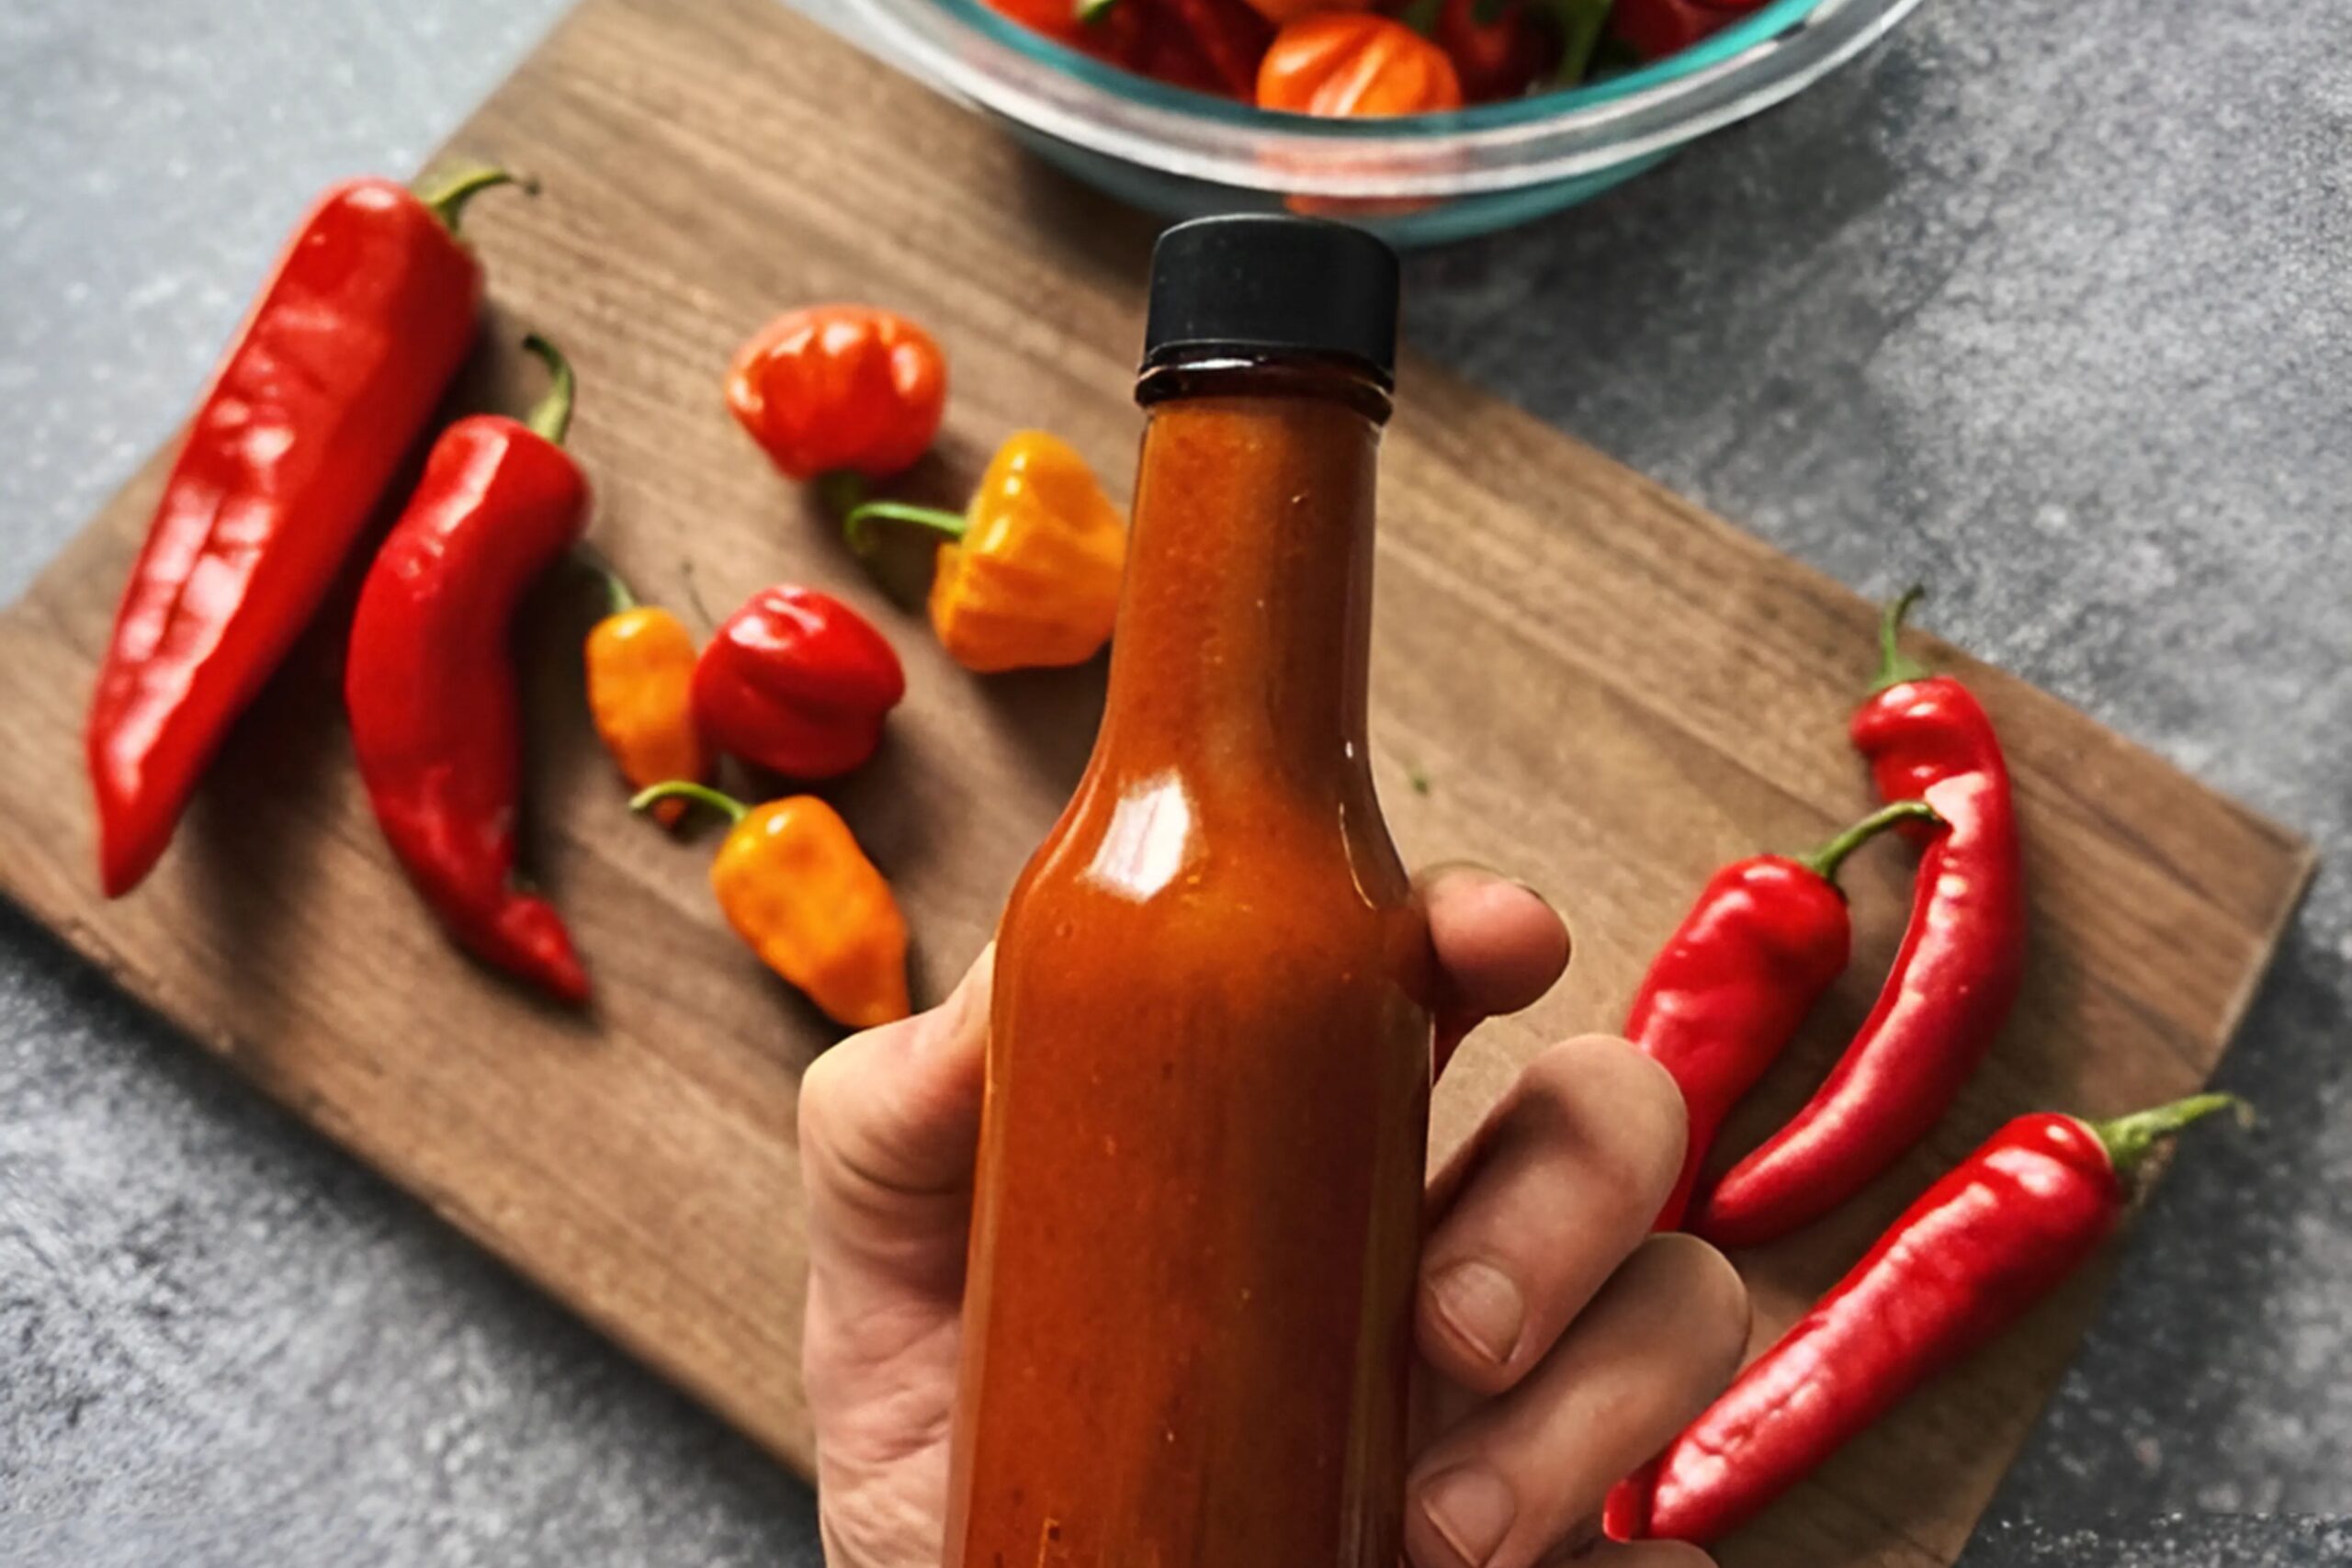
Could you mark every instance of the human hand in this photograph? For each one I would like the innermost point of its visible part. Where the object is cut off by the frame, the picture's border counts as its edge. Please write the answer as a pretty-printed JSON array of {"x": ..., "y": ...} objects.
[{"x": 1560, "y": 1345}]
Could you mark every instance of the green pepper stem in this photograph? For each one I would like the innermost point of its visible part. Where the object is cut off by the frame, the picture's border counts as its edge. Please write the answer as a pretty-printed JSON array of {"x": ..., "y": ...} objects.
[
  {"x": 1894, "y": 666},
  {"x": 1421, "y": 15},
  {"x": 1582, "y": 24},
  {"x": 840, "y": 492},
  {"x": 449, "y": 198},
  {"x": 953, "y": 525},
  {"x": 1091, "y": 10},
  {"x": 553, "y": 416},
  {"x": 1823, "y": 862},
  {"x": 683, "y": 789},
  {"x": 2129, "y": 1140},
  {"x": 618, "y": 600}
]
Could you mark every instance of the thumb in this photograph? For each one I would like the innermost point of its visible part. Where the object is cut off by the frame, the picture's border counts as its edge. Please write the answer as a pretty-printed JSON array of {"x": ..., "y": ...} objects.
[{"x": 889, "y": 1126}]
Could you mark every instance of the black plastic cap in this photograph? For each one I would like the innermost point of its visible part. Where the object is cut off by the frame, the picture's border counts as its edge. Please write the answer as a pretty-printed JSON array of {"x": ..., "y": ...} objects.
[{"x": 1266, "y": 283}]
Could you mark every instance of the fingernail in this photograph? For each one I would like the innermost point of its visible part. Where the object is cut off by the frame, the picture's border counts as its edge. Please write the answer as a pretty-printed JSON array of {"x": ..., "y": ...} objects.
[
  {"x": 1482, "y": 1304},
  {"x": 1471, "y": 1509}
]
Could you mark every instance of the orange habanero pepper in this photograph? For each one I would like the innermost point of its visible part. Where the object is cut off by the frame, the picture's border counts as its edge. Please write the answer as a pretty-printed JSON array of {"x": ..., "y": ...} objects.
[
  {"x": 640, "y": 665},
  {"x": 1029, "y": 574},
  {"x": 792, "y": 880},
  {"x": 840, "y": 390},
  {"x": 1346, "y": 65}
]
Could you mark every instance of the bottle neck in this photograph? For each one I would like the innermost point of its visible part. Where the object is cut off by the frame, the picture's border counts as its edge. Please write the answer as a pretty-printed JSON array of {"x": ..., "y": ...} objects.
[{"x": 1245, "y": 630}]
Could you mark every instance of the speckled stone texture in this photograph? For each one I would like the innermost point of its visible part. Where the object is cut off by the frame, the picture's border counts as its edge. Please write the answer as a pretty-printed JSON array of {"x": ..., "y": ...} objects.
[{"x": 2047, "y": 302}]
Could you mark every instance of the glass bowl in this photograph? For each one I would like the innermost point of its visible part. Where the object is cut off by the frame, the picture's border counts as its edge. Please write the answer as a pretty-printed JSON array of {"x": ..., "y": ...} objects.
[{"x": 1414, "y": 181}]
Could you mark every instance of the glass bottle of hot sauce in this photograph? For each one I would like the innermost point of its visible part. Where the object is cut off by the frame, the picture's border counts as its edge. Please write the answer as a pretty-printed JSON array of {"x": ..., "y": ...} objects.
[{"x": 1187, "y": 1323}]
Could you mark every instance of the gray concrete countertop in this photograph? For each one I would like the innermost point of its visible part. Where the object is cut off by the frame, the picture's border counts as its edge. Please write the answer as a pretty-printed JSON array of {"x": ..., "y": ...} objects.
[{"x": 2047, "y": 302}]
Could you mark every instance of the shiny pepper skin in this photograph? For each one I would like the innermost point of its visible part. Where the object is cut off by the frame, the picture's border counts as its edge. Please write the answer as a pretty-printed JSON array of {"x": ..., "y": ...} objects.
[
  {"x": 1765, "y": 938},
  {"x": 840, "y": 389},
  {"x": 1994, "y": 1236},
  {"x": 794, "y": 886},
  {"x": 1951, "y": 984},
  {"x": 1029, "y": 574},
  {"x": 640, "y": 667},
  {"x": 798, "y": 682},
  {"x": 1345, "y": 65}
]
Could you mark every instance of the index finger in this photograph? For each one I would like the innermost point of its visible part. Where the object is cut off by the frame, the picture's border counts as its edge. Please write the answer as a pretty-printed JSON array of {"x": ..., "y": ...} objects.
[{"x": 1500, "y": 947}]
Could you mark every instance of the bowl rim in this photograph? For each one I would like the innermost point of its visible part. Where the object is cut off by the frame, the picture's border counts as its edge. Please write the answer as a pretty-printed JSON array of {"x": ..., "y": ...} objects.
[{"x": 995, "y": 64}]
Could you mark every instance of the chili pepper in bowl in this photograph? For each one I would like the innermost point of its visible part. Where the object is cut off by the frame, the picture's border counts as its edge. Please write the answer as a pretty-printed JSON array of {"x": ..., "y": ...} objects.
[
  {"x": 640, "y": 669},
  {"x": 1652, "y": 30},
  {"x": 320, "y": 395},
  {"x": 1350, "y": 64},
  {"x": 1028, "y": 574},
  {"x": 798, "y": 682},
  {"x": 839, "y": 394},
  {"x": 1725, "y": 994},
  {"x": 795, "y": 887},
  {"x": 1982, "y": 1245},
  {"x": 430, "y": 687},
  {"x": 1953, "y": 979},
  {"x": 1499, "y": 48}
]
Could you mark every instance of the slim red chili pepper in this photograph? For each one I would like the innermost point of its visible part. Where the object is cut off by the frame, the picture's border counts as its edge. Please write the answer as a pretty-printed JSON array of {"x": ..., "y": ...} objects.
[
  {"x": 798, "y": 682},
  {"x": 322, "y": 393},
  {"x": 1726, "y": 993},
  {"x": 430, "y": 685},
  {"x": 1981, "y": 1246},
  {"x": 1953, "y": 980}
]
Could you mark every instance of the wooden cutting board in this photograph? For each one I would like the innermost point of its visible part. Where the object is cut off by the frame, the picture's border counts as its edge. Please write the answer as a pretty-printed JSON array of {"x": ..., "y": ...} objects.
[{"x": 1579, "y": 677}]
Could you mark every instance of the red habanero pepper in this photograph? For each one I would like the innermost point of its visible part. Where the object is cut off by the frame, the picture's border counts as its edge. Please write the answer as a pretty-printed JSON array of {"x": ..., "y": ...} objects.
[
  {"x": 324, "y": 390},
  {"x": 1953, "y": 979},
  {"x": 1726, "y": 993},
  {"x": 1499, "y": 48},
  {"x": 1994, "y": 1236},
  {"x": 840, "y": 393},
  {"x": 798, "y": 682},
  {"x": 430, "y": 686}
]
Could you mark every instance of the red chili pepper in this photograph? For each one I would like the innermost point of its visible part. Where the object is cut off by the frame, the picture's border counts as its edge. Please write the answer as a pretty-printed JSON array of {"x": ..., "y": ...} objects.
[
  {"x": 430, "y": 685},
  {"x": 798, "y": 682},
  {"x": 1725, "y": 994},
  {"x": 1499, "y": 51},
  {"x": 1230, "y": 35},
  {"x": 1656, "y": 28},
  {"x": 1981, "y": 1246},
  {"x": 322, "y": 393},
  {"x": 1953, "y": 979}
]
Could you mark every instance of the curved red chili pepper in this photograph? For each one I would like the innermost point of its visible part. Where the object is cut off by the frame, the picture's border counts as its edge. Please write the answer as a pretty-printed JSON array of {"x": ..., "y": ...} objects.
[
  {"x": 1726, "y": 993},
  {"x": 430, "y": 685},
  {"x": 1982, "y": 1246},
  {"x": 1953, "y": 979},
  {"x": 798, "y": 682},
  {"x": 322, "y": 392}
]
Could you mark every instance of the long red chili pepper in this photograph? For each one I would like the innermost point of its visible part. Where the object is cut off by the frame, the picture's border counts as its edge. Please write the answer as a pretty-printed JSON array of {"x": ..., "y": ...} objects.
[
  {"x": 430, "y": 685},
  {"x": 324, "y": 390},
  {"x": 1954, "y": 978},
  {"x": 1726, "y": 993},
  {"x": 1982, "y": 1246}
]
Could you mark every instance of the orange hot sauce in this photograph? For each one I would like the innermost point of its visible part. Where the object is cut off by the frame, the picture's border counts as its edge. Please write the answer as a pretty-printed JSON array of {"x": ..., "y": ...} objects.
[{"x": 1188, "y": 1322}]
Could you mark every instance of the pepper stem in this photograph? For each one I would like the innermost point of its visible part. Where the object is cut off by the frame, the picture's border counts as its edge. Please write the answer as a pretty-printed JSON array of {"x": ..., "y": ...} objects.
[
  {"x": 701, "y": 794},
  {"x": 447, "y": 200},
  {"x": 2129, "y": 1140},
  {"x": 618, "y": 600},
  {"x": 553, "y": 416},
  {"x": 840, "y": 492},
  {"x": 1894, "y": 666},
  {"x": 1823, "y": 862},
  {"x": 1421, "y": 15},
  {"x": 953, "y": 525}
]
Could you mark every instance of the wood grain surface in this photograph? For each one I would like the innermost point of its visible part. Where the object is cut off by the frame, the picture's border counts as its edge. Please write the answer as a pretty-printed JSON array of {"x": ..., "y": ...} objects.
[{"x": 1602, "y": 688}]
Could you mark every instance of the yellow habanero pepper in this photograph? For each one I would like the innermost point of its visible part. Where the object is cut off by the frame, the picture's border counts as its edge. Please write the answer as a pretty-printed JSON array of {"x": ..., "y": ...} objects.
[
  {"x": 641, "y": 664},
  {"x": 1029, "y": 575},
  {"x": 794, "y": 883}
]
